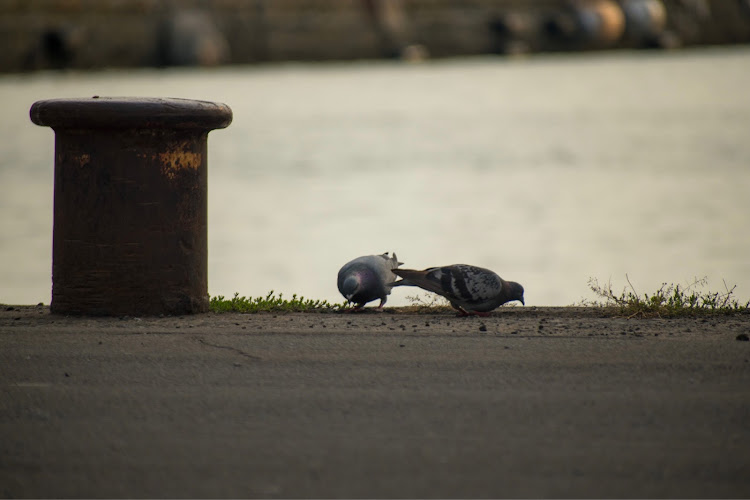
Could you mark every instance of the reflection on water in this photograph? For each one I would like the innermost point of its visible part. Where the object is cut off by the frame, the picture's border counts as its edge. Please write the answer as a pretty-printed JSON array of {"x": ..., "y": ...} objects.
[{"x": 548, "y": 170}]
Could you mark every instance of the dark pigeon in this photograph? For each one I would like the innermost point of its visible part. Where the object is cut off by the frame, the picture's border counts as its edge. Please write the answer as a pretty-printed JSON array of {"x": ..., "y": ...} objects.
[
  {"x": 367, "y": 278},
  {"x": 469, "y": 289}
]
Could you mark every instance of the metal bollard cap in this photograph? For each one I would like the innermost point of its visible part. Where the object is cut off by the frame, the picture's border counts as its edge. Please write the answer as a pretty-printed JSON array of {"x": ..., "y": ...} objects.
[{"x": 130, "y": 113}]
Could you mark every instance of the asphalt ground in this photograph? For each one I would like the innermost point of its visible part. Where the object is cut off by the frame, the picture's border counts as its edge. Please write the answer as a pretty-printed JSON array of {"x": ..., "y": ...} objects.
[{"x": 531, "y": 402}]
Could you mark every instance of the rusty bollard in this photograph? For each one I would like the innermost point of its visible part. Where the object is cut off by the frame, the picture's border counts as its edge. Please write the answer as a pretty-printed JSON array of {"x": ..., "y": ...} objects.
[{"x": 130, "y": 208}]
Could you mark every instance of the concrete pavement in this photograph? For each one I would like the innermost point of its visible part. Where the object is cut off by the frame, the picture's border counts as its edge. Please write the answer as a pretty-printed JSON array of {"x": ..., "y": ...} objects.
[{"x": 527, "y": 403}]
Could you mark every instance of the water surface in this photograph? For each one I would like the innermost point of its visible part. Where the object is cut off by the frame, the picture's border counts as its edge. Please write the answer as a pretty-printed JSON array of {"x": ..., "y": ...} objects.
[{"x": 549, "y": 170}]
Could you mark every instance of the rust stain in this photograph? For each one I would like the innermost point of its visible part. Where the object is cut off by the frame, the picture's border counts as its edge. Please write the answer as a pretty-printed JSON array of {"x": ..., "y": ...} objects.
[
  {"x": 172, "y": 162},
  {"x": 82, "y": 160}
]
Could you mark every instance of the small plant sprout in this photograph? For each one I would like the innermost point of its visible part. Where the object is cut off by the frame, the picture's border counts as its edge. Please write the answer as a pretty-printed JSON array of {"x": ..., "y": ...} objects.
[
  {"x": 426, "y": 303},
  {"x": 668, "y": 301}
]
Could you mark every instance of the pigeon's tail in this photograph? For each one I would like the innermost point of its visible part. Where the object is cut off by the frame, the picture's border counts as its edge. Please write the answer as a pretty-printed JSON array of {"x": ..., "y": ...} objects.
[
  {"x": 409, "y": 273},
  {"x": 428, "y": 279},
  {"x": 395, "y": 259},
  {"x": 409, "y": 277},
  {"x": 392, "y": 261},
  {"x": 401, "y": 282}
]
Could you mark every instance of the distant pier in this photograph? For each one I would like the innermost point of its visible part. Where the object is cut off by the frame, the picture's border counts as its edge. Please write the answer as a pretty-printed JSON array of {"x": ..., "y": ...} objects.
[{"x": 91, "y": 34}]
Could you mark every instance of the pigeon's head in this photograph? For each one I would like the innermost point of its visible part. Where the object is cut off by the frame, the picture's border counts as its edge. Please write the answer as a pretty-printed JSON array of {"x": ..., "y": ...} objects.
[
  {"x": 516, "y": 292},
  {"x": 351, "y": 286}
]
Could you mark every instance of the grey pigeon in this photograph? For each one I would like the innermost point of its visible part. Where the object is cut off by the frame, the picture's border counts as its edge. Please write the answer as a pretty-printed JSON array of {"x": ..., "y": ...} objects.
[
  {"x": 367, "y": 278},
  {"x": 470, "y": 289}
]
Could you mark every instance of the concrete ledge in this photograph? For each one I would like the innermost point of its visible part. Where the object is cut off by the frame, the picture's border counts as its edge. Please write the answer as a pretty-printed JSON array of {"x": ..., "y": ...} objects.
[{"x": 541, "y": 402}]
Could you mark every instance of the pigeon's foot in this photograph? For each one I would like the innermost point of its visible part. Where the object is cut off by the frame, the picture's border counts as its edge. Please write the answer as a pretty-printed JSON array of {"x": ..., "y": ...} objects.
[
  {"x": 463, "y": 313},
  {"x": 480, "y": 314}
]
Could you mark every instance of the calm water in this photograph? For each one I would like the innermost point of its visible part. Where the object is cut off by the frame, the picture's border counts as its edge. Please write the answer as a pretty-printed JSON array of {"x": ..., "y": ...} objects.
[{"x": 549, "y": 170}]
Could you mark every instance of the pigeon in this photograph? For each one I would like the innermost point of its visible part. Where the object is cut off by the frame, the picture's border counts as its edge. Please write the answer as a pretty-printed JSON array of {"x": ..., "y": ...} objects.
[
  {"x": 469, "y": 289},
  {"x": 367, "y": 278}
]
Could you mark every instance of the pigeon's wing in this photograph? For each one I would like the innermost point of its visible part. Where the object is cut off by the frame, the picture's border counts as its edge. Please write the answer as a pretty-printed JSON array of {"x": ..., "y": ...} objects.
[
  {"x": 476, "y": 286},
  {"x": 459, "y": 283}
]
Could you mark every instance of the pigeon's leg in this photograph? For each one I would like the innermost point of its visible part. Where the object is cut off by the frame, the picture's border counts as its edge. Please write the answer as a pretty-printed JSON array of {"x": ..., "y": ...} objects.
[
  {"x": 462, "y": 313},
  {"x": 382, "y": 303},
  {"x": 356, "y": 308}
]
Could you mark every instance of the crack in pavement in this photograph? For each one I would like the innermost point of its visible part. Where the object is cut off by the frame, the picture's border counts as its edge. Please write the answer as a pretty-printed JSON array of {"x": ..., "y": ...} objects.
[{"x": 230, "y": 348}]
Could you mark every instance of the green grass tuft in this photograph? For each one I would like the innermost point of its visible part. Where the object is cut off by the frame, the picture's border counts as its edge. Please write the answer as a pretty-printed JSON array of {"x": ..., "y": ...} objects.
[
  {"x": 270, "y": 303},
  {"x": 668, "y": 301}
]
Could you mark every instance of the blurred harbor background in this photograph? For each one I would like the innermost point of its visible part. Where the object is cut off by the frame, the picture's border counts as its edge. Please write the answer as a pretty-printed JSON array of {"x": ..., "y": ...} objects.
[
  {"x": 549, "y": 169},
  {"x": 86, "y": 34}
]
